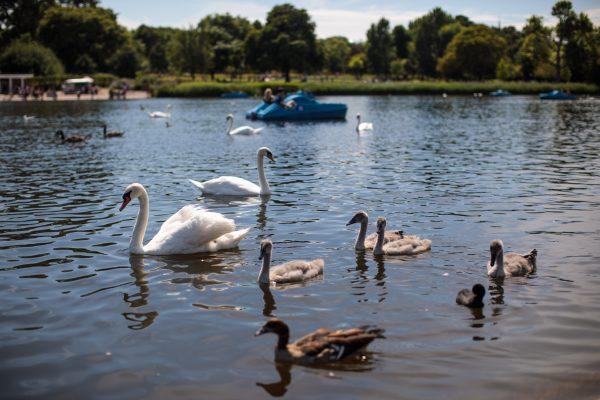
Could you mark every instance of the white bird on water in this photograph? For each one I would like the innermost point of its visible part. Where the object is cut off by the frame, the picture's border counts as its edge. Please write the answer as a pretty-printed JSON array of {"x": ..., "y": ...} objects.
[
  {"x": 242, "y": 130},
  {"x": 363, "y": 126}
]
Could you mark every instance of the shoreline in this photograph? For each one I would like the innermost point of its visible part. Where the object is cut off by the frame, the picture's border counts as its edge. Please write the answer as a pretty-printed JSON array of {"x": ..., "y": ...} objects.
[{"x": 103, "y": 95}]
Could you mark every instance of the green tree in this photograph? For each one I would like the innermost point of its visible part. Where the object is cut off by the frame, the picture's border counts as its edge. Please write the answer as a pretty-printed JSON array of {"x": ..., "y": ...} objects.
[
  {"x": 155, "y": 43},
  {"x": 20, "y": 17},
  {"x": 127, "y": 60},
  {"x": 336, "y": 51},
  {"x": 25, "y": 55},
  {"x": 401, "y": 41},
  {"x": 428, "y": 46},
  {"x": 75, "y": 34},
  {"x": 581, "y": 50},
  {"x": 288, "y": 41},
  {"x": 563, "y": 10},
  {"x": 188, "y": 51},
  {"x": 508, "y": 70},
  {"x": 398, "y": 68},
  {"x": 380, "y": 47},
  {"x": 358, "y": 64},
  {"x": 474, "y": 53}
]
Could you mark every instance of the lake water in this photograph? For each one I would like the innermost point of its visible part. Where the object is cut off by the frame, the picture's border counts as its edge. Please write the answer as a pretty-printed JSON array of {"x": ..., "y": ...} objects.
[{"x": 80, "y": 318}]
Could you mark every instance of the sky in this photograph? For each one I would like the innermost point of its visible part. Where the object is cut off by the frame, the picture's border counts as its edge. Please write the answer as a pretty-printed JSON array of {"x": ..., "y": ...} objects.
[{"x": 350, "y": 18}]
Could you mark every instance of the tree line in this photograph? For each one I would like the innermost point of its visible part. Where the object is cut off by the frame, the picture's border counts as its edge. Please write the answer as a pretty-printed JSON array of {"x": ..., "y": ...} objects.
[{"x": 51, "y": 37}]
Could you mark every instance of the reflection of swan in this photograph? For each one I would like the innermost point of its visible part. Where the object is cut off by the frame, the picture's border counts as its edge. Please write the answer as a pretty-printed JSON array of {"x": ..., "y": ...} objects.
[
  {"x": 363, "y": 126},
  {"x": 278, "y": 389},
  {"x": 268, "y": 299},
  {"x": 190, "y": 230},
  {"x": 471, "y": 298},
  {"x": 242, "y": 130},
  {"x": 142, "y": 319},
  {"x": 234, "y": 186},
  {"x": 289, "y": 272},
  {"x": 368, "y": 242},
  {"x": 408, "y": 245},
  {"x": 509, "y": 264},
  {"x": 320, "y": 346}
]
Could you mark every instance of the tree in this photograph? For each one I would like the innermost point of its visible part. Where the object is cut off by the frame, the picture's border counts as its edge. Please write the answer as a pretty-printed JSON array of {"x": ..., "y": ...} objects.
[
  {"x": 336, "y": 51},
  {"x": 507, "y": 70},
  {"x": 155, "y": 43},
  {"x": 75, "y": 34},
  {"x": 225, "y": 35},
  {"x": 427, "y": 44},
  {"x": 19, "y": 17},
  {"x": 380, "y": 47},
  {"x": 563, "y": 10},
  {"x": 288, "y": 41},
  {"x": 25, "y": 55},
  {"x": 401, "y": 41},
  {"x": 581, "y": 50},
  {"x": 474, "y": 53},
  {"x": 188, "y": 51},
  {"x": 127, "y": 60},
  {"x": 358, "y": 64},
  {"x": 398, "y": 68}
]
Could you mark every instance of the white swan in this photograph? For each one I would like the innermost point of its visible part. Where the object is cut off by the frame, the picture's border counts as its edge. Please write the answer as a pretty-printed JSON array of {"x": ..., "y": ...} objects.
[
  {"x": 242, "y": 130},
  {"x": 159, "y": 114},
  {"x": 234, "y": 186},
  {"x": 289, "y": 272},
  {"x": 190, "y": 230},
  {"x": 363, "y": 126},
  {"x": 27, "y": 118},
  {"x": 509, "y": 264},
  {"x": 408, "y": 245}
]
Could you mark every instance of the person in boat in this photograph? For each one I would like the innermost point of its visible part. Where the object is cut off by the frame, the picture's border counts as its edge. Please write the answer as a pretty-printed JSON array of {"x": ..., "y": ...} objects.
[{"x": 268, "y": 96}]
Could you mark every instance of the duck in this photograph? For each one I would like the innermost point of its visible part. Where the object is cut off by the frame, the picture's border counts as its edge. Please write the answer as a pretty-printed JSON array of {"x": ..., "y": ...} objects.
[
  {"x": 234, "y": 186},
  {"x": 363, "y": 241},
  {"x": 363, "y": 126},
  {"x": 72, "y": 138},
  {"x": 289, "y": 272},
  {"x": 321, "y": 346},
  {"x": 472, "y": 298},
  {"x": 408, "y": 245},
  {"x": 242, "y": 130},
  {"x": 509, "y": 264},
  {"x": 111, "y": 134},
  {"x": 190, "y": 230}
]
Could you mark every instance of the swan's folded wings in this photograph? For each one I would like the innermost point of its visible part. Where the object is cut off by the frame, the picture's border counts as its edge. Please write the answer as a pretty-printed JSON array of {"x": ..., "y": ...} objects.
[
  {"x": 190, "y": 228},
  {"x": 230, "y": 185}
]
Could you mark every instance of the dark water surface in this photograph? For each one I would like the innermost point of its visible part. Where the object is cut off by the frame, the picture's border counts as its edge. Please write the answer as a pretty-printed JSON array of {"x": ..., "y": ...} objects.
[{"x": 81, "y": 318}]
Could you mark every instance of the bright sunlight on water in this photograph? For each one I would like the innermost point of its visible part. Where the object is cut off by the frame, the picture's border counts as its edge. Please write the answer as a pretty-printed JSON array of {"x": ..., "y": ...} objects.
[{"x": 81, "y": 318}]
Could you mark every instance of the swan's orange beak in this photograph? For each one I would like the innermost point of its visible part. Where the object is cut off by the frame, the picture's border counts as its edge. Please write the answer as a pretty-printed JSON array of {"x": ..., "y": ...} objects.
[{"x": 126, "y": 200}]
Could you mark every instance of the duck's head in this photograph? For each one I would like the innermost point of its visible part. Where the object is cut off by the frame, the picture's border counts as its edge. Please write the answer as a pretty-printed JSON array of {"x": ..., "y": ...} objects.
[
  {"x": 60, "y": 133},
  {"x": 266, "y": 246},
  {"x": 132, "y": 191},
  {"x": 478, "y": 290},
  {"x": 266, "y": 152},
  {"x": 275, "y": 326},
  {"x": 496, "y": 247},
  {"x": 381, "y": 223},
  {"x": 359, "y": 217}
]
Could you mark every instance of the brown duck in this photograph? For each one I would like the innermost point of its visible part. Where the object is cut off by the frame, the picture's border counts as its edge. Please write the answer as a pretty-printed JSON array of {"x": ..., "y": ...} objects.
[
  {"x": 320, "y": 346},
  {"x": 71, "y": 139},
  {"x": 111, "y": 134}
]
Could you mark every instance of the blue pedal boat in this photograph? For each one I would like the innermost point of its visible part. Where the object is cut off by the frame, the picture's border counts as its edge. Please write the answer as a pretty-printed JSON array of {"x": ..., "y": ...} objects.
[
  {"x": 301, "y": 107},
  {"x": 500, "y": 93},
  {"x": 557, "y": 95}
]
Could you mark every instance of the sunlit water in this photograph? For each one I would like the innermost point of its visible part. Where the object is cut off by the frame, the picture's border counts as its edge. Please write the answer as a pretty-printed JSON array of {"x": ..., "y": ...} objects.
[{"x": 80, "y": 318}]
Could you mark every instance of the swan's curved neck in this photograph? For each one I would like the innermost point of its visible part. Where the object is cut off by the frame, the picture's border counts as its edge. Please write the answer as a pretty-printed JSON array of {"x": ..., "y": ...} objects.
[
  {"x": 263, "y": 277},
  {"x": 262, "y": 179},
  {"x": 136, "y": 246},
  {"x": 357, "y": 122},
  {"x": 362, "y": 234},
  {"x": 229, "y": 124},
  {"x": 104, "y": 130},
  {"x": 378, "y": 249},
  {"x": 500, "y": 263}
]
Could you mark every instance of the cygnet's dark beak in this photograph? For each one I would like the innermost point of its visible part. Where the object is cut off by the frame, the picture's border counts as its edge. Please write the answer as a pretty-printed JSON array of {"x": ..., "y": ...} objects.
[{"x": 261, "y": 331}]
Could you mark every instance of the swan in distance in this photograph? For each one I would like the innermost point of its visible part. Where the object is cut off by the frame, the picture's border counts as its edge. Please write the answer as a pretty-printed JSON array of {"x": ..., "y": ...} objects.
[
  {"x": 190, "y": 230},
  {"x": 509, "y": 264},
  {"x": 234, "y": 186},
  {"x": 363, "y": 126},
  {"x": 289, "y": 272},
  {"x": 242, "y": 130}
]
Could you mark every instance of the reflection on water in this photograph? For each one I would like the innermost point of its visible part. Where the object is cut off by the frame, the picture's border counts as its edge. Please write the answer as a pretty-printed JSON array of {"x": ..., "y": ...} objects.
[{"x": 79, "y": 316}]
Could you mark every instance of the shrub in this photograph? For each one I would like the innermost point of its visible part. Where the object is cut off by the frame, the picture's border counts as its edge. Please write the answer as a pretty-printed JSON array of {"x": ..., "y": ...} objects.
[{"x": 26, "y": 56}]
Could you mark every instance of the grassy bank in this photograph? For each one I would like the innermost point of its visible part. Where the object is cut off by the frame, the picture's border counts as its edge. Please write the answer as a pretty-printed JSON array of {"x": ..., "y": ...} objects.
[{"x": 209, "y": 89}]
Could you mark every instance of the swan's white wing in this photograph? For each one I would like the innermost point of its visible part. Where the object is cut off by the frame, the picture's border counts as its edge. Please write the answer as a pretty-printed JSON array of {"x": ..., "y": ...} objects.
[
  {"x": 188, "y": 231},
  {"x": 245, "y": 130},
  {"x": 227, "y": 241},
  {"x": 296, "y": 271},
  {"x": 365, "y": 126},
  {"x": 229, "y": 186}
]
